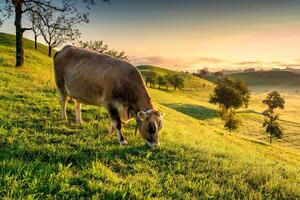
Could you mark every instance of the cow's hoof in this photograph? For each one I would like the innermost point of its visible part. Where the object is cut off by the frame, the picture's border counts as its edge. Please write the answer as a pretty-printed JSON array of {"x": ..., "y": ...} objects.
[{"x": 123, "y": 142}]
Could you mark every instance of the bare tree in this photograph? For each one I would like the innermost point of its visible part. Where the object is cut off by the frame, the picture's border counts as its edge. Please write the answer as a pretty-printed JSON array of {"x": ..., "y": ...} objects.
[
  {"x": 21, "y": 7},
  {"x": 35, "y": 20},
  {"x": 58, "y": 28}
]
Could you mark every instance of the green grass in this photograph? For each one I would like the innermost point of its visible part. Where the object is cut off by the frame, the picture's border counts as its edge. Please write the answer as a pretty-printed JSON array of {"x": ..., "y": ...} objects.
[{"x": 42, "y": 157}]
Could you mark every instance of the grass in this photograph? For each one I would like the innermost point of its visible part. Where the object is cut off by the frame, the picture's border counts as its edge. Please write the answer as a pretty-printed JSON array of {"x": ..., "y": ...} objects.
[{"x": 42, "y": 157}]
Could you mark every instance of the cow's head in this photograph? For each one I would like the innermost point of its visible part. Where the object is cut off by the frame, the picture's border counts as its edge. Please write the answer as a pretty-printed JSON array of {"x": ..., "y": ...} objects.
[{"x": 150, "y": 123}]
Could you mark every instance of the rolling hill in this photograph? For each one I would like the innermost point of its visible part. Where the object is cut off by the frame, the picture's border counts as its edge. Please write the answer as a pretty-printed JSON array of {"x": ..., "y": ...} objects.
[
  {"x": 270, "y": 78},
  {"x": 282, "y": 81},
  {"x": 263, "y": 81},
  {"x": 42, "y": 157}
]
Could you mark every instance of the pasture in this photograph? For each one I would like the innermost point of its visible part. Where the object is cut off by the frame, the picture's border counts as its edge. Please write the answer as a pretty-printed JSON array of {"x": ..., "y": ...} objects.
[{"x": 44, "y": 157}]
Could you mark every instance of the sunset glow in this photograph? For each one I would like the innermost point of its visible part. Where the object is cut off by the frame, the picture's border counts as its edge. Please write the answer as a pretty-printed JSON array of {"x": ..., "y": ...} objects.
[{"x": 187, "y": 35}]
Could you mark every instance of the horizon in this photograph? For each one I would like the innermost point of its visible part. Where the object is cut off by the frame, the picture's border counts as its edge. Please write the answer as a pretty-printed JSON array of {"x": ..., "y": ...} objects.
[{"x": 192, "y": 34}]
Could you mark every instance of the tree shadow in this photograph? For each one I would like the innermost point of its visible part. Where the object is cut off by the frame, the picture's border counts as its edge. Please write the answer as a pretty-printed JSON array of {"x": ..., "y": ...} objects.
[
  {"x": 250, "y": 112},
  {"x": 263, "y": 143},
  {"x": 195, "y": 111}
]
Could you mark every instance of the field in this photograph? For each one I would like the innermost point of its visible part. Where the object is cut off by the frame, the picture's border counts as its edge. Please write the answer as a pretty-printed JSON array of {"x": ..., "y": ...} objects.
[{"x": 44, "y": 157}]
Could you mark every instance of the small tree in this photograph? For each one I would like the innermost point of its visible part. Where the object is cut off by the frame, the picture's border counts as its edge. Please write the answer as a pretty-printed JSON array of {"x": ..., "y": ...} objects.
[
  {"x": 151, "y": 78},
  {"x": 203, "y": 72},
  {"x": 230, "y": 94},
  {"x": 176, "y": 81},
  {"x": 168, "y": 81},
  {"x": 161, "y": 81},
  {"x": 35, "y": 20},
  {"x": 58, "y": 28},
  {"x": 273, "y": 101}
]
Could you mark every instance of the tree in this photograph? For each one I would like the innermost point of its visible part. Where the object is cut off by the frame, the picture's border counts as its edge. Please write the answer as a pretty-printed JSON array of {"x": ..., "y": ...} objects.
[
  {"x": 58, "y": 28},
  {"x": 100, "y": 47},
  {"x": 151, "y": 78},
  {"x": 21, "y": 7},
  {"x": 230, "y": 120},
  {"x": 203, "y": 72},
  {"x": 161, "y": 81},
  {"x": 273, "y": 101},
  {"x": 176, "y": 81},
  {"x": 230, "y": 94},
  {"x": 168, "y": 80},
  {"x": 35, "y": 20},
  {"x": 272, "y": 126}
]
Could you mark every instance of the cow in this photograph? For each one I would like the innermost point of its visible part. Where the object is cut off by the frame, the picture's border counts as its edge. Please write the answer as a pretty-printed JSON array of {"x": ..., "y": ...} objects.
[{"x": 96, "y": 79}]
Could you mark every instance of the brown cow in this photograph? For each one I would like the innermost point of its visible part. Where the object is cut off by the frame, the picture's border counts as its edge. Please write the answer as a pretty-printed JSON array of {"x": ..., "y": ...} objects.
[{"x": 96, "y": 79}]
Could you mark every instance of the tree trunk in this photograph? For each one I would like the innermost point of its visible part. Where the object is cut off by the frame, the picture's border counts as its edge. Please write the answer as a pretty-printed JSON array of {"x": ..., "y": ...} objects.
[
  {"x": 19, "y": 34},
  {"x": 35, "y": 42},
  {"x": 174, "y": 88},
  {"x": 49, "y": 51},
  {"x": 270, "y": 138}
]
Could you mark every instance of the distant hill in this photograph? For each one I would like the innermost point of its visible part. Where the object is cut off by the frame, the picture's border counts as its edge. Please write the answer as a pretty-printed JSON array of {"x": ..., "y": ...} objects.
[
  {"x": 270, "y": 78},
  {"x": 191, "y": 82}
]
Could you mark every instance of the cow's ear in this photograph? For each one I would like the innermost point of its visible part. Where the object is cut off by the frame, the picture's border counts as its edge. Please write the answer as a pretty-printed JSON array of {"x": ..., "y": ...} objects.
[{"x": 142, "y": 115}]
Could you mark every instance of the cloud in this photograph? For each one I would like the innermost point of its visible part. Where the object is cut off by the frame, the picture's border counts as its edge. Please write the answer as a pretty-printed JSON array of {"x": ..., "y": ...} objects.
[
  {"x": 247, "y": 63},
  {"x": 194, "y": 63},
  {"x": 266, "y": 64},
  {"x": 178, "y": 62}
]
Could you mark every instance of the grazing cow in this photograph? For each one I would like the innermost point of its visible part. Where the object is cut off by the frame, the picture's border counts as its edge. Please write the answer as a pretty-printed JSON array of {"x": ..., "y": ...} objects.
[{"x": 95, "y": 79}]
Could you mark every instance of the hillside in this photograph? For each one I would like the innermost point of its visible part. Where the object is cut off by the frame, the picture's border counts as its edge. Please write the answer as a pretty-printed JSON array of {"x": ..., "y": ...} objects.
[
  {"x": 42, "y": 157},
  {"x": 271, "y": 78},
  {"x": 191, "y": 82},
  {"x": 263, "y": 81}
]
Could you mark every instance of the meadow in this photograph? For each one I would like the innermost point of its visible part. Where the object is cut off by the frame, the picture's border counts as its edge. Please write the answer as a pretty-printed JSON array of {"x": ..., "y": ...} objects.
[{"x": 42, "y": 157}]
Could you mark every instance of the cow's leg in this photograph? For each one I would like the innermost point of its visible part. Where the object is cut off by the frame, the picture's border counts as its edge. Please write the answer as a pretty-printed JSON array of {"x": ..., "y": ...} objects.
[
  {"x": 116, "y": 121},
  {"x": 63, "y": 102},
  {"x": 78, "y": 111},
  {"x": 111, "y": 128}
]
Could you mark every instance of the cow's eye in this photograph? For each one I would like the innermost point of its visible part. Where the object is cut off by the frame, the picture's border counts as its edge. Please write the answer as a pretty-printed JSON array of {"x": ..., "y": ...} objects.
[{"x": 151, "y": 128}]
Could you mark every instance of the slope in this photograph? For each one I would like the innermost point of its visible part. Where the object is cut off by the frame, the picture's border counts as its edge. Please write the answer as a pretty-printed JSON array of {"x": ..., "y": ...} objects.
[{"x": 43, "y": 157}]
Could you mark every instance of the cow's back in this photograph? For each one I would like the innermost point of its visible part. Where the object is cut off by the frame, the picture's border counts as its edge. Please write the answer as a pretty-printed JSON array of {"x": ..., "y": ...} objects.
[{"x": 92, "y": 78}]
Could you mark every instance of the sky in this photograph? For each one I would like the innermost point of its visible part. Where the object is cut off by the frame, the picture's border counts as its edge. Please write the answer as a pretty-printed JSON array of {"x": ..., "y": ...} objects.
[{"x": 191, "y": 34}]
